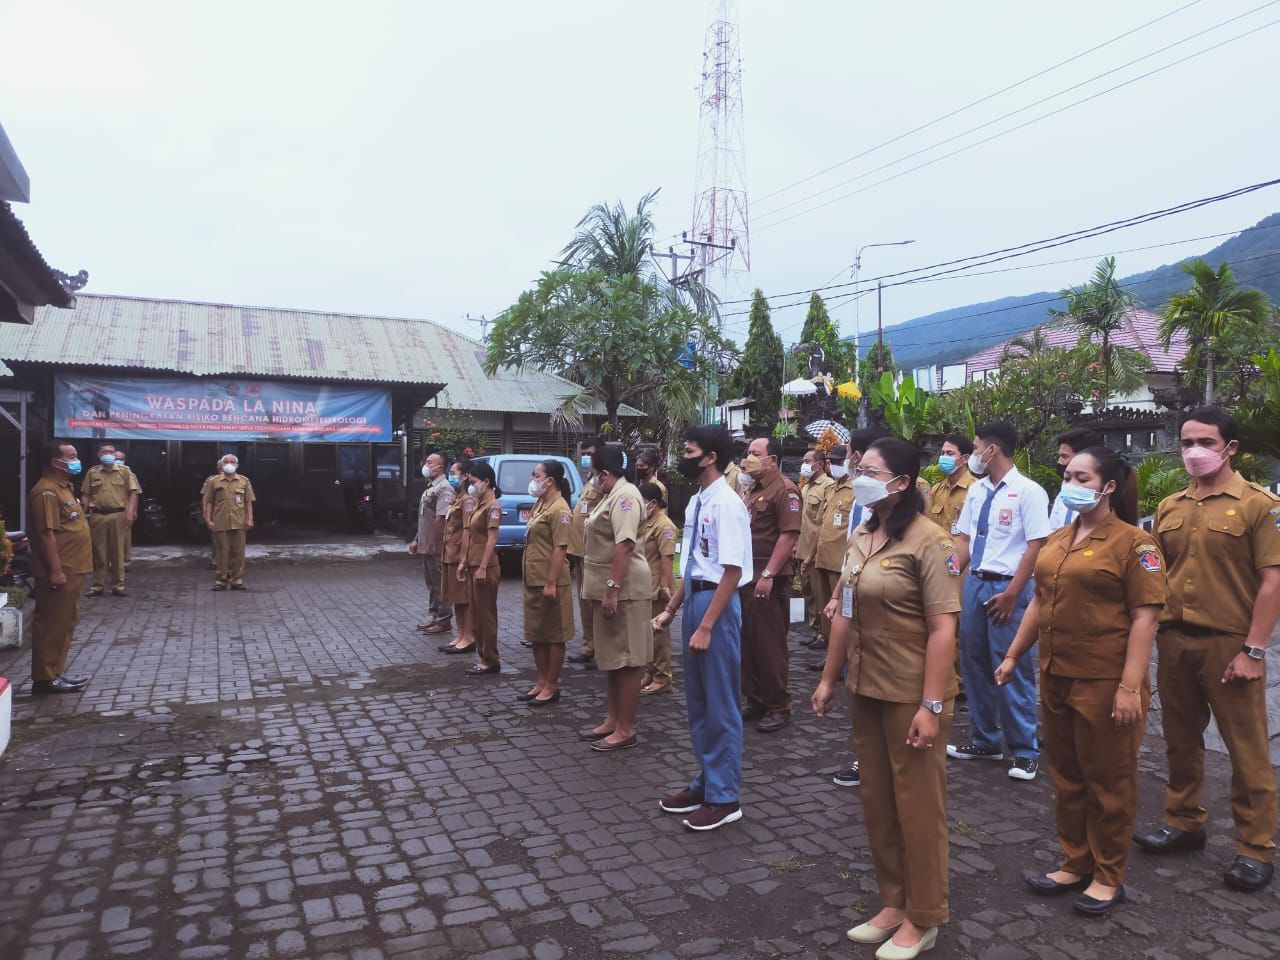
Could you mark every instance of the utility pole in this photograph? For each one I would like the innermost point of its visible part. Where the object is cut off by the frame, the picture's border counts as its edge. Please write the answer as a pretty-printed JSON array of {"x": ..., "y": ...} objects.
[
  {"x": 879, "y": 326},
  {"x": 676, "y": 277},
  {"x": 484, "y": 325}
]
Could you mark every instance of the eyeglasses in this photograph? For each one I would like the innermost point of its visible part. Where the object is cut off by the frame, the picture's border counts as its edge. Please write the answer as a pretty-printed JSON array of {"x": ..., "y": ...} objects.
[{"x": 868, "y": 472}]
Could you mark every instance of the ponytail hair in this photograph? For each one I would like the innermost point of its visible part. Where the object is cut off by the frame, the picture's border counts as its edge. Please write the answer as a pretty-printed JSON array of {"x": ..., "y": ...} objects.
[
  {"x": 904, "y": 460},
  {"x": 482, "y": 471},
  {"x": 1114, "y": 468},
  {"x": 555, "y": 470}
]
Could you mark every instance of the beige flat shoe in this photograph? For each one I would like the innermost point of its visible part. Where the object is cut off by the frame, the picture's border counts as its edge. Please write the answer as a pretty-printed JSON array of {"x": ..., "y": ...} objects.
[
  {"x": 891, "y": 951},
  {"x": 866, "y": 933}
]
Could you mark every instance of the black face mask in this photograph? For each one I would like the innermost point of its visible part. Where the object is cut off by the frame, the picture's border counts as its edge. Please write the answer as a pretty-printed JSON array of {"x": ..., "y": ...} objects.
[
  {"x": 689, "y": 467},
  {"x": 1060, "y": 469}
]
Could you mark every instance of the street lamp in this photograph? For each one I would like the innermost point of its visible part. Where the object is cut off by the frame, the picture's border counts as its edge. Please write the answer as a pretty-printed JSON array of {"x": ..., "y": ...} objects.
[{"x": 857, "y": 317}]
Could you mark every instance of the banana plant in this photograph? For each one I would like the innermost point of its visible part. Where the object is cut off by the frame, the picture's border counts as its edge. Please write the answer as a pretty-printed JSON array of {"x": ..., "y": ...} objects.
[{"x": 907, "y": 410}]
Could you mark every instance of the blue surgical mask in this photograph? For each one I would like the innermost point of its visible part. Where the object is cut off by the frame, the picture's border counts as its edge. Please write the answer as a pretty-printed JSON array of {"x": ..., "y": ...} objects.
[
  {"x": 585, "y": 463},
  {"x": 947, "y": 464},
  {"x": 454, "y": 480},
  {"x": 73, "y": 467},
  {"x": 1078, "y": 498},
  {"x": 107, "y": 460}
]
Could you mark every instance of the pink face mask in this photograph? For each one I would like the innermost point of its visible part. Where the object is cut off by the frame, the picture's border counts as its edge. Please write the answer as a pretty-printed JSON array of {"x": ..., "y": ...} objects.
[{"x": 1200, "y": 461}]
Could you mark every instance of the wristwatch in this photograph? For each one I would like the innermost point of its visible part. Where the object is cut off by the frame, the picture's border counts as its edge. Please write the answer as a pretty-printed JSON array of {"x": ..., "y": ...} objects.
[
  {"x": 933, "y": 706},
  {"x": 613, "y": 585},
  {"x": 1254, "y": 653},
  {"x": 766, "y": 575}
]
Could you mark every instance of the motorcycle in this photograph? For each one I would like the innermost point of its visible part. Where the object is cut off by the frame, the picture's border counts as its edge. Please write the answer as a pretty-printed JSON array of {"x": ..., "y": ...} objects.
[
  {"x": 155, "y": 522},
  {"x": 19, "y": 573}
]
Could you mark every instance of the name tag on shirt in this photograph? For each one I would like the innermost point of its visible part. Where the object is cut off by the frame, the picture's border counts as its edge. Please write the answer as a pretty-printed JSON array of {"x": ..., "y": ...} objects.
[
  {"x": 706, "y": 547},
  {"x": 846, "y": 601},
  {"x": 838, "y": 519},
  {"x": 1006, "y": 517}
]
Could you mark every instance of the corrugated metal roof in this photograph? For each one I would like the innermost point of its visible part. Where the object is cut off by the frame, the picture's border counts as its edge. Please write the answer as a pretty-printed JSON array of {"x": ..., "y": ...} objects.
[
  {"x": 213, "y": 339},
  {"x": 1141, "y": 331},
  {"x": 33, "y": 269}
]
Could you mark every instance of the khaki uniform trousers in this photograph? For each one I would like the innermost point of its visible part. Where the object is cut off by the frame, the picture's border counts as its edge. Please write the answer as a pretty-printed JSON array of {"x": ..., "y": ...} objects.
[
  {"x": 766, "y": 661},
  {"x": 439, "y": 610},
  {"x": 228, "y": 548},
  {"x": 1094, "y": 767},
  {"x": 128, "y": 542},
  {"x": 585, "y": 613},
  {"x": 484, "y": 612},
  {"x": 659, "y": 668},
  {"x": 107, "y": 533},
  {"x": 822, "y": 583},
  {"x": 1189, "y": 675},
  {"x": 904, "y": 802},
  {"x": 57, "y": 613}
]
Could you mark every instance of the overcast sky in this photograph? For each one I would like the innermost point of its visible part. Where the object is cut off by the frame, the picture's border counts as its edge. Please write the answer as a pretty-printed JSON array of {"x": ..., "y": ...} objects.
[{"x": 428, "y": 159}]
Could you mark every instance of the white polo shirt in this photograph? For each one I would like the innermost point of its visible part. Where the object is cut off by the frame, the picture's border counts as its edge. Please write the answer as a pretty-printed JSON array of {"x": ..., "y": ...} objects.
[
  {"x": 723, "y": 537},
  {"x": 1019, "y": 512},
  {"x": 1061, "y": 514}
]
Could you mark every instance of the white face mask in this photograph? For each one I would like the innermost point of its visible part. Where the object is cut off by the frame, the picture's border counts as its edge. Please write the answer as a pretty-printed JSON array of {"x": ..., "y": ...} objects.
[
  {"x": 976, "y": 466},
  {"x": 535, "y": 487},
  {"x": 473, "y": 490},
  {"x": 839, "y": 471},
  {"x": 427, "y": 472},
  {"x": 806, "y": 470},
  {"x": 745, "y": 480},
  {"x": 868, "y": 491},
  {"x": 228, "y": 468}
]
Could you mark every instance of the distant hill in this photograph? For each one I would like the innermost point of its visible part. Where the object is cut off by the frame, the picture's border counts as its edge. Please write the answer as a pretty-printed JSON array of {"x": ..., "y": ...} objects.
[{"x": 951, "y": 335}]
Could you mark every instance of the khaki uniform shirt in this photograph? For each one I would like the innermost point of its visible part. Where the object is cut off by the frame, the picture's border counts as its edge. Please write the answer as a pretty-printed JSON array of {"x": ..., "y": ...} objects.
[
  {"x": 486, "y": 516},
  {"x": 52, "y": 506},
  {"x": 657, "y": 483},
  {"x": 946, "y": 498},
  {"x": 230, "y": 496},
  {"x": 432, "y": 509},
  {"x": 455, "y": 520},
  {"x": 586, "y": 500},
  {"x": 658, "y": 534},
  {"x": 615, "y": 519},
  {"x": 774, "y": 508},
  {"x": 1087, "y": 592},
  {"x": 813, "y": 498},
  {"x": 833, "y": 529},
  {"x": 731, "y": 474},
  {"x": 894, "y": 590},
  {"x": 548, "y": 529},
  {"x": 1215, "y": 547},
  {"x": 109, "y": 489}
]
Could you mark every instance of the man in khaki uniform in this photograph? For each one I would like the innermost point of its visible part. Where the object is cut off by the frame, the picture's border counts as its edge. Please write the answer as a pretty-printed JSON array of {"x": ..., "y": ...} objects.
[
  {"x": 946, "y": 497},
  {"x": 773, "y": 502},
  {"x": 825, "y": 554},
  {"x": 428, "y": 544},
  {"x": 61, "y": 557},
  {"x": 816, "y": 486},
  {"x": 228, "y": 510},
  {"x": 1221, "y": 538},
  {"x": 128, "y": 530},
  {"x": 577, "y": 550},
  {"x": 110, "y": 498}
]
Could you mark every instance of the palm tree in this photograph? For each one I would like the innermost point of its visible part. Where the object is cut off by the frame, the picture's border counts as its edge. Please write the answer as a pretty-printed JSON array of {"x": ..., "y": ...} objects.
[
  {"x": 1208, "y": 310},
  {"x": 1097, "y": 309}
]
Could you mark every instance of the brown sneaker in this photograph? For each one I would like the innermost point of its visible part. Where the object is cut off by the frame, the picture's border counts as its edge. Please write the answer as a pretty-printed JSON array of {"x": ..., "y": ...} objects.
[
  {"x": 711, "y": 816},
  {"x": 773, "y": 722},
  {"x": 686, "y": 801}
]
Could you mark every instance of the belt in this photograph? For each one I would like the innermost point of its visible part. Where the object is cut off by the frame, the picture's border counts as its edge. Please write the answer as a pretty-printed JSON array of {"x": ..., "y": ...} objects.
[
  {"x": 990, "y": 577},
  {"x": 106, "y": 509},
  {"x": 697, "y": 586},
  {"x": 1192, "y": 629}
]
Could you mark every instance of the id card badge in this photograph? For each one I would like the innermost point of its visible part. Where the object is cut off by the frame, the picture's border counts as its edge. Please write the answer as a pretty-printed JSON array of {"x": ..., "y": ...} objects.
[{"x": 846, "y": 601}]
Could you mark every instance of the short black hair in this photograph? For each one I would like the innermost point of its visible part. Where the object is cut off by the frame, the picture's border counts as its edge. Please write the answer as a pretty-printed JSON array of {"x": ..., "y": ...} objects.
[
  {"x": 819, "y": 455},
  {"x": 591, "y": 443},
  {"x": 713, "y": 439},
  {"x": 650, "y": 456},
  {"x": 608, "y": 458},
  {"x": 963, "y": 444},
  {"x": 651, "y": 491},
  {"x": 904, "y": 460},
  {"x": 1080, "y": 439},
  {"x": 1215, "y": 417},
  {"x": 862, "y": 439},
  {"x": 51, "y": 451},
  {"x": 1000, "y": 432},
  {"x": 481, "y": 470}
]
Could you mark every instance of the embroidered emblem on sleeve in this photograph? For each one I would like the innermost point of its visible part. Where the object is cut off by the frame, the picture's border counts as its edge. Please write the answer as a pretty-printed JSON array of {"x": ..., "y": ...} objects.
[
  {"x": 566, "y": 519},
  {"x": 1151, "y": 562},
  {"x": 624, "y": 504},
  {"x": 495, "y": 513},
  {"x": 793, "y": 503}
]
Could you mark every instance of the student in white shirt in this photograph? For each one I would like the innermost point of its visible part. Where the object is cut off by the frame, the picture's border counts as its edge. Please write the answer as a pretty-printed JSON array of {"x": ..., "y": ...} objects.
[
  {"x": 1069, "y": 444},
  {"x": 1002, "y": 526},
  {"x": 715, "y": 562}
]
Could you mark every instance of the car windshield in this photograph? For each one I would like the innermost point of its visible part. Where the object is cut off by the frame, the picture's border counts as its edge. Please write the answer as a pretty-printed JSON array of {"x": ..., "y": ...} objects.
[{"x": 513, "y": 475}]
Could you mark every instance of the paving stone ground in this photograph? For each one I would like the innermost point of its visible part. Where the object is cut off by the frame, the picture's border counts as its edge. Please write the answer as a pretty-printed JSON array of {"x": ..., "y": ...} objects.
[{"x": 295, "y": 772}]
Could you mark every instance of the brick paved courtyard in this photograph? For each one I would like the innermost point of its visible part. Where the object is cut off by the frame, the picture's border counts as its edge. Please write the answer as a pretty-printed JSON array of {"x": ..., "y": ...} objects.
[{"x": 296, "y": 772}]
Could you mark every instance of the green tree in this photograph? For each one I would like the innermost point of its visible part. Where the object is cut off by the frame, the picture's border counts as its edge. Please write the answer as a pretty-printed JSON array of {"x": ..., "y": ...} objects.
[
  {"x": 1209, "y": 312},
  {"x": 758, "y": 375},
  {"x": 1097, "y": 309},
  {"x": 906, "y": 409},
  {"x": 1259, "y": 416},
  {"x": 876, "y": 362},
  {"x": 610, "y": 322}
]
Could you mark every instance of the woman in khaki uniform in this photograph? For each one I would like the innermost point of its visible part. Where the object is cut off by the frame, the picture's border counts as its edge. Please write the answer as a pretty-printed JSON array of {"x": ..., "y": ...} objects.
[
  {"x": 548, "y": 599},
  {"x": 452, "y": 589},
  {"x": 1100, "y": 585},
  {"x": 480, "y": 564},
  {"x": 616, "y": 581},
  {"x": 895, "y": 627},
  {"x": 658, "y": 536}
]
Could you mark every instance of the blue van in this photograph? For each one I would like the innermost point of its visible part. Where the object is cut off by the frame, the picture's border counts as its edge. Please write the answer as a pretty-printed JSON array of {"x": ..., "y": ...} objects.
[{"x": 513, "y": 471}]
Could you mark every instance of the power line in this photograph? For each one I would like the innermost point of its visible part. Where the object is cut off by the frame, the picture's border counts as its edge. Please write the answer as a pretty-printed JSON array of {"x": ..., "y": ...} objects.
[
  {"x": 978, "y": 102},
  {"x": 1053, "y": 96},
  {"x": 1034, "y": 246}
]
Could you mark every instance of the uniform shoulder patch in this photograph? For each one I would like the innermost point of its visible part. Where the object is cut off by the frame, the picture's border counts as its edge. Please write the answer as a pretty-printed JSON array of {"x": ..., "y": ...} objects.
[
  {"x": 793, "y": 502},
  {"x": 669, "y": 533},
  {"x": 495, "y": 513},
  {"x": 953, "y": 564},
  {"x": 624, "y": 504},
  {"x": 1151, "y": 562},
  {"x": 469, "y": 504},
  {"x": 566, "y": 518}
]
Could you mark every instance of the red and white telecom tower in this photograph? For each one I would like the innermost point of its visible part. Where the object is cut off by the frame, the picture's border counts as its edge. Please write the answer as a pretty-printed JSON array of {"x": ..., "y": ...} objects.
[{"x": 720, "y": 233}]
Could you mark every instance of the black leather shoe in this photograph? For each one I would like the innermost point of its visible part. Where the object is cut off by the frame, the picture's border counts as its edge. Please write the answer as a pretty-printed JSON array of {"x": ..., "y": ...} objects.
[
  {"x": 554, "y": 698},
  {"x": 56, "y": 685},
  {"x": 1170, "y": 839},
  {"x": 752, "y": 713},
  {"x": 78, "y": 679},
  {"x": 1046, "y": 887},
  {"x": 1248, "y": 875},
  {"x": 479, "y": 671},
  {"x": 1095, "y": 908},
  {"x": 454, "y": 650}
]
